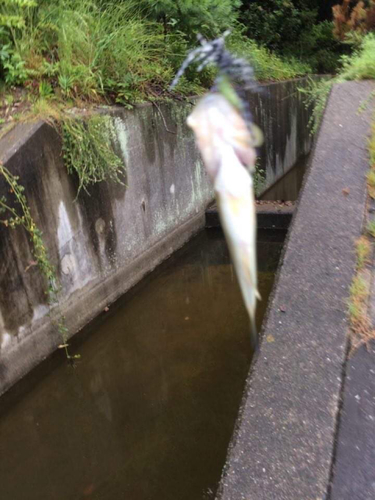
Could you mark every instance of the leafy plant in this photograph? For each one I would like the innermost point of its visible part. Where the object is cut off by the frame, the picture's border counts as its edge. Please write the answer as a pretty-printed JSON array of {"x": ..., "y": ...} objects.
[
  {"x": 13, "y": 67},
  {"x": 361, "y": 64},
  {"x": 39, "y": 250},
  {"x": 87, "y": 149},
  {"x": 358, "y": 66},
  {"x": 12, "y": 21},
  {"x": 209, "y": 17}
]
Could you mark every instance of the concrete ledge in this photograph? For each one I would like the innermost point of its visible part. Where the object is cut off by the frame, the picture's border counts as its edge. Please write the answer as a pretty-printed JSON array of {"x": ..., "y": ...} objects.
[
  {"x": 353, "y": 467},
  {"x": 270, "y": 215},
  {"x": 283, "y": 444}
]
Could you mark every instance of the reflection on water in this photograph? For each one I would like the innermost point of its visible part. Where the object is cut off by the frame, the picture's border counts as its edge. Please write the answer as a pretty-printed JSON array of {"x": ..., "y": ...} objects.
[
  {"x": 149, "y": 411},
  {"x": 288, "y": 187}
]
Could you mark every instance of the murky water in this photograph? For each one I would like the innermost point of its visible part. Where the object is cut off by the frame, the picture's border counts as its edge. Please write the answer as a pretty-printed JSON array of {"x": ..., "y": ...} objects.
[
  {"x": 149, "y": 411},
  {"x": 288, "y": 187}
]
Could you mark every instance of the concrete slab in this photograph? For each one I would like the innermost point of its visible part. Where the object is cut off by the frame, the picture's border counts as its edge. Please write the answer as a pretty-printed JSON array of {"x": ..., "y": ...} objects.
[
  {"x": 283, "y": 444},
  {"x": 353, "y": 471},
  {"x": 270, "y": 215},
  {"x": 354, "y": 467}
]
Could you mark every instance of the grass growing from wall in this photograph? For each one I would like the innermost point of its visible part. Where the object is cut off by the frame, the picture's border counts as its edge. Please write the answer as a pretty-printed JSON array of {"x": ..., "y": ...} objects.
[
  {"x": 17, "y": 214},
  {"x": 88, "y": 150}
]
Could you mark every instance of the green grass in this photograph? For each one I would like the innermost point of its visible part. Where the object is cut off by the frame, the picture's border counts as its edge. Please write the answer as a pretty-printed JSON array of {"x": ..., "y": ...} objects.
[
  {"x": 359, "y": 288},
  {"x": 79, "y": 51},
  {"x": 88, "y": 151},
  {"x": 371, "y": 183},
  {"x": 267, "y": 65},
  {"x": 371, "y": 228},
  {"x": 363, "y": 249},
  {"x": 357, "y": 306},
  {"x": 358, "y": 66},
  {"x": 371, "y": 147},
  {"x": 361, "y": 64},
  {"x": 86, "y": 52}
]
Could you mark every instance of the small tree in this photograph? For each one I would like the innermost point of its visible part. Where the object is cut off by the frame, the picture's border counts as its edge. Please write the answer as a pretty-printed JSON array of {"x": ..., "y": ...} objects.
[{"x": 353, "y": 21}]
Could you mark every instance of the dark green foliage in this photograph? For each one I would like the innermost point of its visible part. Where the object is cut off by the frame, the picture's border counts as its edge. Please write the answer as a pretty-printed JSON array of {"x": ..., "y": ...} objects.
[
  {"x": 276, "y": 23},
  {"x": 321, "y": 49},
  {"x": 293, "y": 28},
  {"x": 209, "y": 17},
  {"x": 13, "y": 14}
]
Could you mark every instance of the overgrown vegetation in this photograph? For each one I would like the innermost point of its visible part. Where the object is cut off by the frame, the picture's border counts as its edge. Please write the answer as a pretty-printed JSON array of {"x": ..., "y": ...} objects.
[
  {"x": 360, "y": 321},
  {"x": 296, "y": 28},
  {"x": 363, "y": 249},
  {"x": 17, "y": 214},
  {"x": 353, "y": 21},
  {"x": 88, "y": 150},
  {"x": 80, "y": 51},
  {"x": 360, "y": 65}
]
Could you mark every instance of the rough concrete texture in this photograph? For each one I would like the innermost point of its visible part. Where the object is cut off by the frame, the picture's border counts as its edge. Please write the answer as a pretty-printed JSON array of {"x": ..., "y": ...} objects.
[
  {"x": 354, "y": 461},
  {"x": 104, "y": 243},
  {"x": 280, "y": 112},
  {"x": 354, "y": 467},
  {"x": 283, "y": 444}
]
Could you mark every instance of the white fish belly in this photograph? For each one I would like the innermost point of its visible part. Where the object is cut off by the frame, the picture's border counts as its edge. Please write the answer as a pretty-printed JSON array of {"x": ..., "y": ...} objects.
[{"x": 235, "y": 199}]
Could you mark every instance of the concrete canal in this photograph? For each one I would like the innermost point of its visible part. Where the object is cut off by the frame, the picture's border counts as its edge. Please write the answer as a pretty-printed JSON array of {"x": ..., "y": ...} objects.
[{"x": 149, "y": 410}]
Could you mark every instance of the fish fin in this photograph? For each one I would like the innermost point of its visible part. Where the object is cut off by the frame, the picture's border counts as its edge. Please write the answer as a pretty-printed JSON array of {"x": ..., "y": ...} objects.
[{"x": 258, "y": 295}]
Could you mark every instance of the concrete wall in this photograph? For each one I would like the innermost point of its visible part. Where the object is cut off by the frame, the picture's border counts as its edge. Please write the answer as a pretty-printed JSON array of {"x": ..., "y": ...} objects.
[
  {"x": 280, "y": 112},
  {"x": 103, "y": 243}
]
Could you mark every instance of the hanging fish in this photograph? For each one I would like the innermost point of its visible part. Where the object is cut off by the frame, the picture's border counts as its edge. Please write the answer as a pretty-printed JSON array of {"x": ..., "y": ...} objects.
[
  {"x": 227, "y": 140},
  {"x": 226, "y": 147}
]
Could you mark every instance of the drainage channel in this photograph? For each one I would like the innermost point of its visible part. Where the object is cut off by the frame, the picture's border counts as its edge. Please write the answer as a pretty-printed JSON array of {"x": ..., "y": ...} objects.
[{"x": 149, "y": 410}]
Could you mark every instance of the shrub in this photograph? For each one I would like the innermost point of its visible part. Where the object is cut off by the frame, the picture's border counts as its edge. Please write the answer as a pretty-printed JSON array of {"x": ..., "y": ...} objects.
[
  {"x": 267, "y": 65},
  {"x": 350, "y": 23},
  {"x": 12, "y": 21},
  {"x": 209, "y": 17},
  {"x": 361, "y": 64},
  {"x": 358, "y": 66}
]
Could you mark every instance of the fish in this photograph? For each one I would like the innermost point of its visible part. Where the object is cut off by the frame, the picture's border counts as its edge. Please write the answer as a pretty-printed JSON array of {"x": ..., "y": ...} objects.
[{"x": 228, "y": 148}]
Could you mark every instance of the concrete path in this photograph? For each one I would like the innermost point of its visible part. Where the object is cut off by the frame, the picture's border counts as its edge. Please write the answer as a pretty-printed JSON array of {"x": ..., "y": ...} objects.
[
  {"x": 284, "y": 442},
  {"x": 353, "y": 467}
]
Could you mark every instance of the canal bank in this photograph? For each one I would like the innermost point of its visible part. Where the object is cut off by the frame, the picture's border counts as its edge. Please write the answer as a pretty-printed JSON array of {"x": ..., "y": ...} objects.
[
  {"x": 284, "y": 445},
  {"x": 149, "y": 409},
  {"x": 103, "y": 242}
]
